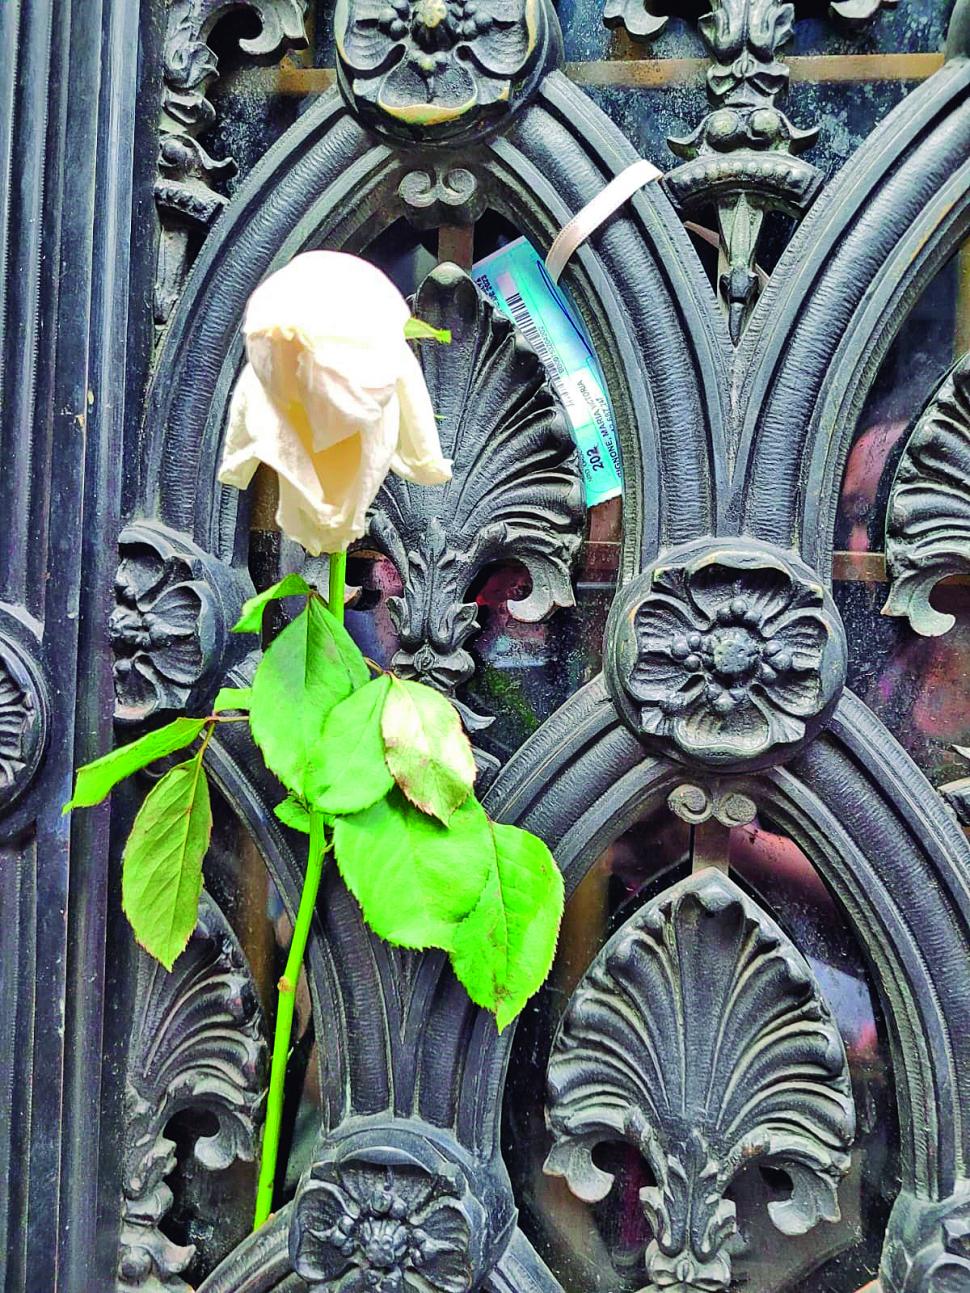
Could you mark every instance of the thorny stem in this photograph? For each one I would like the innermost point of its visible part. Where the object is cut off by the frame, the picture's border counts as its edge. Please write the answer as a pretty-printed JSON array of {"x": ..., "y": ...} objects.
[{"x": 316, "y": 852}]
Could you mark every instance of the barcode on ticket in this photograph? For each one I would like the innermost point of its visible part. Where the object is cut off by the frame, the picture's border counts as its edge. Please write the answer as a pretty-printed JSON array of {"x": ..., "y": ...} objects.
[{"x": 515, "y": 280}]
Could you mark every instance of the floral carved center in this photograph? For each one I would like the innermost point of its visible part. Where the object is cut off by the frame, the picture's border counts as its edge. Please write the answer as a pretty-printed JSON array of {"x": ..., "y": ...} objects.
[
  {"x": 387, "y": 1230},
  {"x": 435, "y": 61},
  {"x": 730, "y": 655},
  {"x": 435, "y": 28}
]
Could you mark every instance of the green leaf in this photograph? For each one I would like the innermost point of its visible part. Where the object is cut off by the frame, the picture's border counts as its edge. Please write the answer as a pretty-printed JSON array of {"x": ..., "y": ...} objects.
[
  {"x": 504, "y": 949},
  {"x": 294, "y": 813},
  {"x": 96, "y": 780},
  {"x": 251, "y": 619},
  {"x": 427, "y": 751},
  {"x": 347, "y": 771},
  {"x": 415, "y": 879},
  {"x": 161, "y": 877},
  {"x": 233, "y": 698},
  {"x": 418, "y": 330},
  {"x": 309, "y": 668}
]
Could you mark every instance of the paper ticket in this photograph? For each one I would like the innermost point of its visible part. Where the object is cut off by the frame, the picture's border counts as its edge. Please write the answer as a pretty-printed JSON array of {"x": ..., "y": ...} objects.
[{"x": 515, "y": 280}]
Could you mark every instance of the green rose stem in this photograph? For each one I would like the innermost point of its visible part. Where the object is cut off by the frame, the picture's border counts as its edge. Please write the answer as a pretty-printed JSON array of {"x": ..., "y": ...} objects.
[{"x": 316, "y": 853}]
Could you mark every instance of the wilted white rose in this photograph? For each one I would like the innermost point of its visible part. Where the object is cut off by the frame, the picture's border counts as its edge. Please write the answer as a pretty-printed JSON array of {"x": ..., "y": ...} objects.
[{"x": 331, "y": 399}]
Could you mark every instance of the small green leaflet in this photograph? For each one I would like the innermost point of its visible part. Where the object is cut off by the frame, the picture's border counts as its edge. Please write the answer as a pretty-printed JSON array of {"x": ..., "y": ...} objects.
[
  {"x": 504, "y": 949},
  {"x": 347, "y": 771},
  {"x": 294, "y": 814},
  {"x": 309, "y": 668},
  {"x": 415, "y": 879},
  {"x": 427, "y": 751},
  {"x": 251, "y": 619},
  {"x": 233, "y": 698},
  {"x": 96, "y": 780},
  {"x": 161, "y": 877},
  {"x": 418, "y": 330}
]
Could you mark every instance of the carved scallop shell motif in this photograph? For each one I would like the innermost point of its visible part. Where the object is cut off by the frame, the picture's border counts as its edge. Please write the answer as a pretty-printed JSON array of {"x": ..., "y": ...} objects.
[{"x": 700, "y": 1036}]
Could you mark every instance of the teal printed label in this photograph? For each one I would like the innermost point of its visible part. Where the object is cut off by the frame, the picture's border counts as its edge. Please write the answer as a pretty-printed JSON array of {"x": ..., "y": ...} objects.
[{"x": 516, "y": 280}]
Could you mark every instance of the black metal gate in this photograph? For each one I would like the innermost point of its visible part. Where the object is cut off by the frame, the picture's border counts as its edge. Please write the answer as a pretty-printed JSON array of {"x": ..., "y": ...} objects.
[{"x": 751, "y": 1065}]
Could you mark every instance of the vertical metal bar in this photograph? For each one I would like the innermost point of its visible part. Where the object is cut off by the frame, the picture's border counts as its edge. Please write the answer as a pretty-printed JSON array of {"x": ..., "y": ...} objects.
[{"x": 456, "y": 243}]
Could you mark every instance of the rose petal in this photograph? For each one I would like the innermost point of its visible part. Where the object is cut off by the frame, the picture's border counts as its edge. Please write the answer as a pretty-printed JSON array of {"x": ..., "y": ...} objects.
[
  {"x": 179, "y": 660},
  {"x": 364, "y": 46},
  {"x": 138, "y": 682},
  {"x": 660, "y": 621},
  {"x": 653, "y": 720},
  {"x": 446, "y": 1264},
  {"x": 765, "y": 589},
  {"x": 502, "y": 49},
  {"x": 404, "y": 87},
  {"x": 176, "y": 610},
  {"x": 656, "y": 676},
  {"x": 249, "y": 411},
  {"x": 138, "y": 579},
  {"x": 503, "y": 11},
  {"x": 329, "y": 295},
  {"x": 322, "y": 398},
  {"x": 785, "y": 729},
  {"x": 320, "y": 1206}
]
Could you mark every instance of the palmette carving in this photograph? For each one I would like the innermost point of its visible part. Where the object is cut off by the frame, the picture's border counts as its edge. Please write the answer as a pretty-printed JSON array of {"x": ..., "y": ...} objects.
[
  {"x": 515, "y": 493},
  {"x": 726, "y": 655},
  {"x": 184, "y": 192},
  {"x": 700, "y": 1037},
  {"x": 199, "y": 1047},
  {"x": 438, "y": 68},
  {"x": 928, "y": 521},
  {"x": 927, "y": 1246}
]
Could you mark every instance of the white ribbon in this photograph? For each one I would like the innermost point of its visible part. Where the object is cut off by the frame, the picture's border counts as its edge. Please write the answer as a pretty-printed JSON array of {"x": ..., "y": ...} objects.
[{"x": 606, "y": 202}]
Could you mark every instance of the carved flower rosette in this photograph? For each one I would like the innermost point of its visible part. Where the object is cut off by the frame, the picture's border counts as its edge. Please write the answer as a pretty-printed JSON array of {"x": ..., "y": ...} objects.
[
  {"x": 726, "y": 655},
  {"x": 169, "y": 627},
  {"x": 438, "y": 65},
  {"x": 23, "y": 720},
  {"x": 385, "y": 1214}
]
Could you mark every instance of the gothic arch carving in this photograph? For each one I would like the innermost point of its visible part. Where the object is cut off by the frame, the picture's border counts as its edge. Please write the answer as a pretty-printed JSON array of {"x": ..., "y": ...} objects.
[
  {"x": 642, "y": 288},
  {"x": 882, "y": 840},
  {"x": 873, "y": 240},
  {"x": 420, "y": 1090}
]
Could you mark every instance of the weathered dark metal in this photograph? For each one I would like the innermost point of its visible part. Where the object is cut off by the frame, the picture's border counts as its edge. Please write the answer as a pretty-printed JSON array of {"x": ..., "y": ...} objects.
[
  {"x": 725, "y": 655},
  {"x": 437, "y": 70},
  {"x": 723, "y": 694},
  {"x": 764, "y": 17},
  {"x": 200, "y": 1047},
  {"x": 187, "y": 200},
  {"x": 700, "y": 1036},
  {"x": 515, "y": 494},
  {"x": 928, "y": 521}
]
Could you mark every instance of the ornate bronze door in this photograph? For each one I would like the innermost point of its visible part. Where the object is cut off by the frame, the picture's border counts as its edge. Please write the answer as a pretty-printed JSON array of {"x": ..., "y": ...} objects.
[{"x": 734, "y": 705}]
